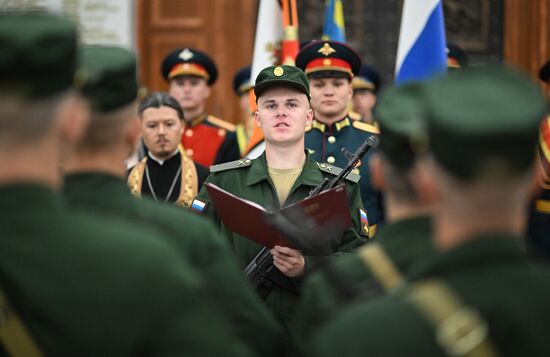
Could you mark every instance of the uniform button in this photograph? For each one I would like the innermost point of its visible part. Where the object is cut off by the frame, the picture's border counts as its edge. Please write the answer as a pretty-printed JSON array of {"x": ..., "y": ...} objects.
[
  {"x": 322, "y": 166},
  {"x": 189, "y": 133},
  {"x": 331, "y": 160},
  {"x": 221, "y": 132},
  {"x": 189, "y": 152},
  {"x": 331, "y": 139}
]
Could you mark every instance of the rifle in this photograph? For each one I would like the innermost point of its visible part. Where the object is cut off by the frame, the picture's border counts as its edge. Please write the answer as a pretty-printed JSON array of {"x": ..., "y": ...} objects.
[{"x": 260, "y": 269}]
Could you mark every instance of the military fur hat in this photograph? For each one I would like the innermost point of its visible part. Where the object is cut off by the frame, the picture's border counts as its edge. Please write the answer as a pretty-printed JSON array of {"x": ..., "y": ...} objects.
[
  {"x": 401, "y": 115},
  {"x": 484, "y": 121},
  {"x": 111, "y": 80},
  {"x": 38, "y": 54}
]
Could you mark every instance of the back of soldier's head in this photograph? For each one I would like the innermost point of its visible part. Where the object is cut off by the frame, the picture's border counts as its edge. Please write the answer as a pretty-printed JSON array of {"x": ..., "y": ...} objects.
[
  {"x": 401, "y": 114},
  {"x": 483, "y": 124},
  {"x": 111, "y": 89},
  {"x": 37, "y": 69}
]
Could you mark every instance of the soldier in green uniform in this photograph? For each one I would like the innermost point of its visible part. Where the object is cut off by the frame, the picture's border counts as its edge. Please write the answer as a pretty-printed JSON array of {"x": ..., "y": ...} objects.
[
  {"x": 330, "y": 67},
  {"x": 538, "y": 229},
  {"x": 79, "y": 285},
  {"x": 402, "y": 243},
  {"x": 95, "y": 183},
  {"x": 480, "y": 295},
  {"x": 282, "y": 175}
]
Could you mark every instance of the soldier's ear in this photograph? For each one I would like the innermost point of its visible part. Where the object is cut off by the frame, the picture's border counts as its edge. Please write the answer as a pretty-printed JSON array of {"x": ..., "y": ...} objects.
[
  {"x": 309, "y": 117},
  {"x": 73, "y": 116},
  {"x": 422, "y": 179},
  {"x": 376, "y": 172},
  {"x": 257, "y": 119}
]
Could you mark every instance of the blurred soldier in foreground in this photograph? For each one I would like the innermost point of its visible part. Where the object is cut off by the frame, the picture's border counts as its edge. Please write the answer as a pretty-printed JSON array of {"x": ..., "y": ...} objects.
[
  {"x": 330, "y": 67},
  {"x": 83, "y": 286},
  {"x": 282, "y": 175},
  {"x": 480, "y": 295},
  {"x": 538, "y": 232},
  {"x": 366, "y": 85},
  {"x": 206, "y": 139},
  {"x": 401, "y": 244},
  {"x": 166, "y": 174},
  {"x": 95, "y": 183}
]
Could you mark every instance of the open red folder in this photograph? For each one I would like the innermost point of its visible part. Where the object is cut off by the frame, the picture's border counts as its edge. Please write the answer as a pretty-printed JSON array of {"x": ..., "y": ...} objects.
[{"x": 247, "y": 218}]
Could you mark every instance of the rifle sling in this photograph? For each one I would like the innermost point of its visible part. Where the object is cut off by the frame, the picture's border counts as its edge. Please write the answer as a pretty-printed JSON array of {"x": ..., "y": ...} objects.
[
  {"x": 382, "y": 267},
  {"x": 13, "y": 334},
  {"x": 459, "y": 329}
]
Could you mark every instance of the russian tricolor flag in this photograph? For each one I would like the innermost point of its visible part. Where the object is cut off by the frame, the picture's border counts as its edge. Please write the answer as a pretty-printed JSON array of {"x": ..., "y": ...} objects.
[{"x": 421, "y": 49}]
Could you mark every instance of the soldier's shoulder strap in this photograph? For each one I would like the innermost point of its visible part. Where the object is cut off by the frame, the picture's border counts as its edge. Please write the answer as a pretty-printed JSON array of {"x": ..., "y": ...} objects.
[
  {"x": 221, "y": 123},
  {"x": 14, "y": 336},
  {"x": 237, "y": 164},
  {"x": 381, "y": 265},
  {"x": 369, "y": 128},
  {"x": 335, "y": 170},
  {"x": 459, "y": 329}
]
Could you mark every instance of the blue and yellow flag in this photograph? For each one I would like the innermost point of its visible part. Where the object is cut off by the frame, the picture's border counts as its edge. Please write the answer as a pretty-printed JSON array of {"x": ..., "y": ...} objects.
[{"x": 333, "y": 28}]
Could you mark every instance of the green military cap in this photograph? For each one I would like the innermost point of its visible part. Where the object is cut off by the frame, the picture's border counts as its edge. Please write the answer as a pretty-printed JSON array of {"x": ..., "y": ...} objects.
[
  {"x": 111, "y": 80},
  {"x": 401, "y": 112},
  {"x": 484, "y": 121},
  {"x": 283, "y": 75},
  {"x": 38, "y": 54}
]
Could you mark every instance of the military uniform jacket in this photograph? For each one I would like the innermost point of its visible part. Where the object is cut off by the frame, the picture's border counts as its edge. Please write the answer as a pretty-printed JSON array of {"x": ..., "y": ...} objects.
[
  {"x": 491, "y": 275},
  {"x": 209, "y": 140},
  {"x": 88, "y": 286},
  {"x": 191, "y": 237},
  {"x": 407, "y": 243},
  {"x": 249, "y": 179},
  {"x": 325, "y": 144}
]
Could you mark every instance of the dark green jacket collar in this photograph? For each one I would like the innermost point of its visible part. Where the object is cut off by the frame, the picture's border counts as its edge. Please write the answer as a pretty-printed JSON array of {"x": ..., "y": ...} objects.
[
  {"x": 483, "y": 251},
  {"x": 310, "y": 176},
  {"x": 28, "y": 197},
  {"x": 399, "y": 230},
  {"x": 89, "y": 180}
]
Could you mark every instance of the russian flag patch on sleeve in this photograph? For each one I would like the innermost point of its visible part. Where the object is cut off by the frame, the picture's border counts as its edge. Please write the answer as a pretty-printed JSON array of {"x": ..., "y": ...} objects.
[
  {"x": 364, "y": 222},
  {"x": 198, "y": 205}
]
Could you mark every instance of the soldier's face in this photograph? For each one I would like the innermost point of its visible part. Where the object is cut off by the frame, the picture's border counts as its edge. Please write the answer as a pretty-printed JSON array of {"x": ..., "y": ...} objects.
[
  {"x": 330, "y": 98},
  {"x": 283, "y": 114},
  {"x": 161, "y": 130},
  {"x": 190, "y": 91},
  {"x": 363, "y": 101}
]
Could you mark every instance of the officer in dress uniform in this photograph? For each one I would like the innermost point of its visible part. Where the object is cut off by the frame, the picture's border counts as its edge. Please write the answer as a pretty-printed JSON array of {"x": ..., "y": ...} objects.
[
  {"x": 479, "y": 295},
  {"x": 80, "y": 285},
  {"x": 330, "y": 67},
  {"x": 457, "y": 58},
  {"x": 94, "y": 183},
  {"x": 366, "y": 86},
  {"x": 283, "y": 174},
  {"x": 242, "y": 85},
  {"x": 403, "y": 243},
  {"x": 538, "y": 230},
  {"x": 206, "y": 139},
  {"x": 166, "y": 174}
]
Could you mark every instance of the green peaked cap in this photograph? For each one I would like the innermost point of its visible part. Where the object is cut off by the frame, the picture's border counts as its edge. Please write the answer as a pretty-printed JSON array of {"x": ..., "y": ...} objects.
[
  {"x": 38, "y": 54},
  {"x": 484, "y": 121},
  {"x": 281, "y": 76},
  {"x": 111, "y": 80},
  {"x": 401, "y": 112}
]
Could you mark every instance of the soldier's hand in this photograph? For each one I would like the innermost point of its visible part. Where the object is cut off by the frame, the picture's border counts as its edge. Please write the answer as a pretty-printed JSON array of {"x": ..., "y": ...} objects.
[{"x": 289, "y": 261}]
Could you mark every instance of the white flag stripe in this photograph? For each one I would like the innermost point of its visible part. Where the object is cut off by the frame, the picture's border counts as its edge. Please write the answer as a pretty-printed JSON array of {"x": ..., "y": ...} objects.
[
  {"x": 269, "y": 33},
  {"x": 413, "y": 19}
]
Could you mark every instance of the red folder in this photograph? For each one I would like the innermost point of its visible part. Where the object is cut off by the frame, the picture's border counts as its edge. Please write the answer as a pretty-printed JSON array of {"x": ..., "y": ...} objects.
[{"x": 246, "y": 218}]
